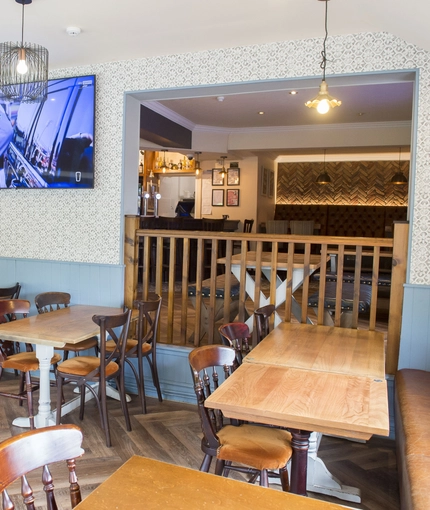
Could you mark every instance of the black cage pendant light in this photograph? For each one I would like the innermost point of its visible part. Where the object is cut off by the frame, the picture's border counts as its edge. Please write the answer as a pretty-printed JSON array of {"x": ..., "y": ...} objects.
[
  {"x": 323, "y": 101},
  {"x": 399, "y": 177},
  {"x": 23, "y": 69},
  {"x": 323, "y": 178}
]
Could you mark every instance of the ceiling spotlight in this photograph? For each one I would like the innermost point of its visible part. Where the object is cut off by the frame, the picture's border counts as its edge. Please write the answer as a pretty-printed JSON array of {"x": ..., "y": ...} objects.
[
  {"x": 260, "y": 113},
  {"x": 220, "y": 99},
  {"x": 73, "y": 31},
  {"x": 293, "y": 92},
  {"x": 323, "y": 101}
]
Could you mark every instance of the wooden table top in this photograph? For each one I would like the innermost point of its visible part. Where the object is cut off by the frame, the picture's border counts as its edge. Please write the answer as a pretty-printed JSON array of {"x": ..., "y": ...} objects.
[
  {"x": 151, "y": 484},
  {"x": 322, "y": 348},
  {"x": 68, "y": 325},
  {"x": 331, "y": 403},
  {"x": 282, "y": 261}
]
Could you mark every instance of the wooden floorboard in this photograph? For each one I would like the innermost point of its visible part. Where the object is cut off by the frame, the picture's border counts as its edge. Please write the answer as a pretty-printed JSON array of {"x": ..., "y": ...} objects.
[{"x": 171, "y": 432}]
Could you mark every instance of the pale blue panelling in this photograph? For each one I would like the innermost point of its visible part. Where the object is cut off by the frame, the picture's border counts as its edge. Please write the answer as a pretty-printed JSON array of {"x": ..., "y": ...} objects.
[
  {"x": 414, "y": 345},
  {"x": 95, "y": 284}
]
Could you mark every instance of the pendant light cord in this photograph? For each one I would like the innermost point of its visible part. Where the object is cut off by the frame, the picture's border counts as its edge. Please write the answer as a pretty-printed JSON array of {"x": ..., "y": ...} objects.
[
  {"x": 22, "y": 26},
  {"x": 323, "y": 53}
]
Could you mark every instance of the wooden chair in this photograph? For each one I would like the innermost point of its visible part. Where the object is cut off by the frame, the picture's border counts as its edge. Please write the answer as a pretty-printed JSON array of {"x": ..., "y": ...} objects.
[
  {"x": 247, "y": 228},
  {"x": 50, "y": 301},
  {"x": 9, "y": 293},
  {"x": 263, "y": 449},
  {"x": 237, "y": 336},
  {"x": 22, "y": 362},
  {"x": 144, "y": 346},
  {"x": 262, "y": 321},
  {"x": 34, "y": 449},
  {"x": 84, "y": 370}
]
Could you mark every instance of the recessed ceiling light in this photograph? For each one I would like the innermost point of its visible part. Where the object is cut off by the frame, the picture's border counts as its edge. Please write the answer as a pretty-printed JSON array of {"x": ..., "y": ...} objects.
[
  {"x": 73, "y": 31},
  {"x": 220, "y": 99},
  {"x": 361, "y": 114},
  {"x": 293, "y": 92},
  {"x": 260, "y": 113}
]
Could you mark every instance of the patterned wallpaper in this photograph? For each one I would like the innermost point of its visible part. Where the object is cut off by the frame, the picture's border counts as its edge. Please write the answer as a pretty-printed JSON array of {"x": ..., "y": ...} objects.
[
  {"x": 85, "y": 225},
  {"x": 352, "y": 183}
]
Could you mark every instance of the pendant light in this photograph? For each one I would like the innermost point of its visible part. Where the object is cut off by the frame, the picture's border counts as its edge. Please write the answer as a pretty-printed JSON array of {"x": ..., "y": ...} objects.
[
  {"x": 323, "y": 178},
  {"x": 399, "y": 177},
  {"x": 23, "y": 69},
  {"x": 323, "y": 101},
  {"x": 164, "y": 165},
  {"x": 223, "y": 168},
  {"x": 197, "y": 164}
]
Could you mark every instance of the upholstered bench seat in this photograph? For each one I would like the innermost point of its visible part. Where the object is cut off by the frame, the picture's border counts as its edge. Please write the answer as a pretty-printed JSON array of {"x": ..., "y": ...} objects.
[
  {"x": 219, "y": 303},
  {"x": 412, "y": 418},
  {"x": 346, "y": 302},
  {"x": 384, "y": 280}
]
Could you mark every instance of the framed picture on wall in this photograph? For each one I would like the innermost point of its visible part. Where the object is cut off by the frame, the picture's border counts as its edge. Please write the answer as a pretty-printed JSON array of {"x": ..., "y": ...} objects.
[
  {"x": 217, "y": 197},
  {"x": 264, "y": 181},
  {"x": 271, "y": 184},
  {"x": 233, "y": 177},
  {"x": 217, "y": 177},
  {"x": 232, "y": 197}
]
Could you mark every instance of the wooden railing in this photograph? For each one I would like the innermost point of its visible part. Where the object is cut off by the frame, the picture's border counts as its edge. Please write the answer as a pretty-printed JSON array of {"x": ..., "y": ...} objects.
[{"x": 168, "y": 262}]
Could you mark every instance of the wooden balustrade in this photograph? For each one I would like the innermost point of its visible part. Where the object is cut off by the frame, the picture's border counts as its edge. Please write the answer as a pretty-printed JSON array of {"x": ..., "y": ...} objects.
[{"x": 168, "y": 262}]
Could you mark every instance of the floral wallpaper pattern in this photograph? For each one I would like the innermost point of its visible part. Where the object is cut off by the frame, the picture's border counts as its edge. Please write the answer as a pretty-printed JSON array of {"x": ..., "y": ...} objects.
[{"x": 85, "y": 225}]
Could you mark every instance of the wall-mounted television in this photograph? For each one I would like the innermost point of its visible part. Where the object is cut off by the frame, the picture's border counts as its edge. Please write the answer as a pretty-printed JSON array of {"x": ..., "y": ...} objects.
[{"x": 50, "y": 144}]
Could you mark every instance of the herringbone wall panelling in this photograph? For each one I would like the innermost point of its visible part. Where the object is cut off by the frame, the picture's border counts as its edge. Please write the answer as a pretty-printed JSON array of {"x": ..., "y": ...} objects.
[{"x": 352, "y": 182}]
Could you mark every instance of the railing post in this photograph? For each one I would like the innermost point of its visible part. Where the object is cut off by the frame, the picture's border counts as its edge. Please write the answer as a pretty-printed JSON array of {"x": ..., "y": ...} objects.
[
  {"x": 131, "y": 259},
  {"x": 398, "y": 278}
]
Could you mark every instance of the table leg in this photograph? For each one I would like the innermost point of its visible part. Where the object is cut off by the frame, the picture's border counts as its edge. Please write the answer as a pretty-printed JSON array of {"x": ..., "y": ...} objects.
[
  {"x": 44, "y": 416},
  {"x": 299, "y": 461}
]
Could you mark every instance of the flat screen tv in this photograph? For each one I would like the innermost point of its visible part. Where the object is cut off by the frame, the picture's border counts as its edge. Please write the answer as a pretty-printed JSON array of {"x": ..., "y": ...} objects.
[{"x": 50, "y": 144}]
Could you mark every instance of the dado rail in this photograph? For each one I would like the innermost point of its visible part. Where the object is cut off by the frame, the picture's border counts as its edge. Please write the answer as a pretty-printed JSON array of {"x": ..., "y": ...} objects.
[{"x": 343, "y": 281}]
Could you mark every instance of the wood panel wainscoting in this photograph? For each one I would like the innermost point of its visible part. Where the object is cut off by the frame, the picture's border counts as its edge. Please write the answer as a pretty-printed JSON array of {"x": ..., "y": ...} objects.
[{"x": 170, "y": 262}]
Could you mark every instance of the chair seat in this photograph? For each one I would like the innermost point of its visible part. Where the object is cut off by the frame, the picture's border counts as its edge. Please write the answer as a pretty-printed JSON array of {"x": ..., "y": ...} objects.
[
  {"x": 131, "y": 344},
  {"x": 26, "y": 361},
  {"x": 89, "y": 343},
  {"x": 84, "y": 365},
  {"x": 258, "y": 447}
]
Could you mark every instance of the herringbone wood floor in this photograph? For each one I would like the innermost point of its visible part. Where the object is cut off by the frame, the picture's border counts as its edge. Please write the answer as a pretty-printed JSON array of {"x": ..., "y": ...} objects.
[{"x": 171, "y": 432}]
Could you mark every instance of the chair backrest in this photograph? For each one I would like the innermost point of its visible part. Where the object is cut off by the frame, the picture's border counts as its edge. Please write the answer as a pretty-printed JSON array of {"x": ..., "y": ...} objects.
[
  {"x": 147, "y": 322},
  {"x": 37, "y": 448},
  {"x": 10, "y": 292},
  {"x": 50, "y": 301},
  {"x": 208, "y": 364},
  {"x": 115, "y": 327},
  {"x": 262, "y": 321},
  {"x": 247, "y": 226},
  {"x": 237, "y": 336},
  {"x": 302, "y": 227},
  {"x": 8, "y": 310},
  {"x": 277, "y": 226}
]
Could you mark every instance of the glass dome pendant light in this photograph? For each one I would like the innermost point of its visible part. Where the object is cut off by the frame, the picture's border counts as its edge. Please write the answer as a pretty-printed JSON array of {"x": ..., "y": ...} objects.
[
  {"x": 323, "y": 101},
  {"x": 197, "y": 163},
  {"x": 164, "y": 165},
  {"x": 323, "y": 178},
  {"x": 223, "y": 168},
  {"x": 399, "y": 177}
]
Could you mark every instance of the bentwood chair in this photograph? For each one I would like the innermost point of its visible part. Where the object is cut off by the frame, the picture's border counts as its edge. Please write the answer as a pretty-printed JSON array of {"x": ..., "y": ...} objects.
[
  {"x": 84, "y": 370},
  {"x": 247, "y": 228},
  {"x": 50, "y": 301},
  {"x": 144, "y": 347},
  {"x": 237, "y": 336},
  {"x": 22, "y": 362},
  {"x": 262, "y": 321},
  {"x": 21, "y": 454},
  {"x": 262, "y": 449},
  {"x": 9, "y": 293}
]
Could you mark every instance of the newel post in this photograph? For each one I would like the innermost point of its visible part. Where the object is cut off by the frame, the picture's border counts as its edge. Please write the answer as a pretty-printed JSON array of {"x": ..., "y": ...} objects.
[
  {"x": 131, "y": 259},
  {"x": 398, "y": 279}
]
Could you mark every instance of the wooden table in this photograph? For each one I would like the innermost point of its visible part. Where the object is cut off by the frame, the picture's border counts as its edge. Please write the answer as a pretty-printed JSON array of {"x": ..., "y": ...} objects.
[
  {"x": 299, "y": 268},
  {"x": 152, "y": 485},
  {"x": 49, "y": 330},
  {"x": 327, "y": 395}
]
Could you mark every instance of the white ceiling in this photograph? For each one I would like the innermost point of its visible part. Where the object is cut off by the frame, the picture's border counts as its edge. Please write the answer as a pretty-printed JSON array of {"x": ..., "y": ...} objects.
[{"x": 127, "y": 29}]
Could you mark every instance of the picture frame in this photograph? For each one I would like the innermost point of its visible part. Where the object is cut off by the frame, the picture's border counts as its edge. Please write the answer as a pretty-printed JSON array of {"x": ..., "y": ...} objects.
[
  {"x": 233, "y": 177},
  {"x": 271, "y": 184},
  {"x": 264, "y": 181},
  {"x": 217, "y": 197},
  {"x": 232, "y": 198},
  {"x": 217, "y": 177}
]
